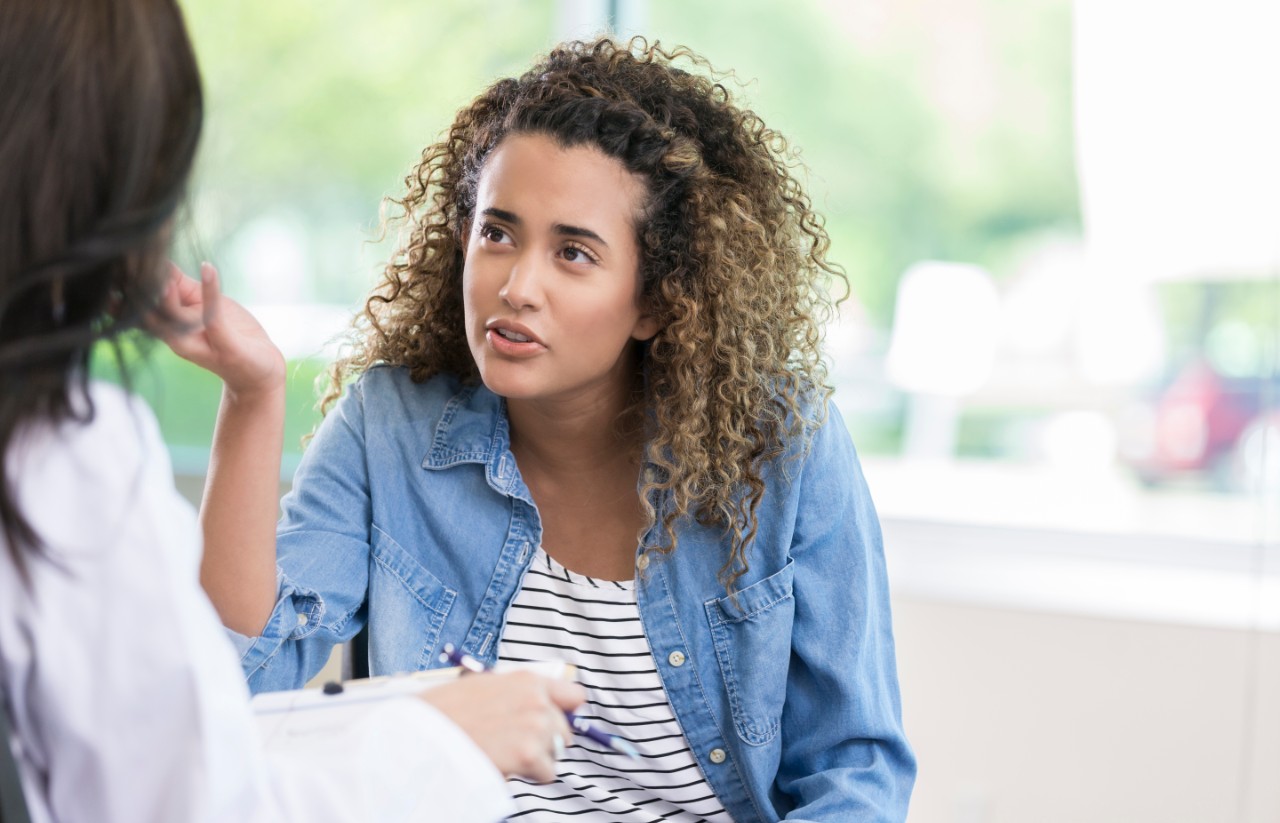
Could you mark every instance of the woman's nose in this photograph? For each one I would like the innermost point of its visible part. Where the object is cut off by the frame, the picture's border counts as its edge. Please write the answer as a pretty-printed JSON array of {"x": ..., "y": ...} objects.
[{"x": 523, "y": 288}]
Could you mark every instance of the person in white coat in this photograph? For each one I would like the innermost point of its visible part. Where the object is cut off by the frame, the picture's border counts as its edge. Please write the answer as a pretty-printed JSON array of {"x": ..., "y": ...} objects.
[{"x": 122, "y": 691}]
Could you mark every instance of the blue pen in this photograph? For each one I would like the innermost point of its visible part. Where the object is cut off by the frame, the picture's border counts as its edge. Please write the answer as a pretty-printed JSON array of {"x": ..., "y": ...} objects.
[{"x": 457, "y": 657}]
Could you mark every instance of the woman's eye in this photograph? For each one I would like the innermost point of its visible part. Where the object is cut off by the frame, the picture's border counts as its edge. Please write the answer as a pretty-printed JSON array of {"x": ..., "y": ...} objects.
[
  {"x": 493, "y": 234},
  {"x": 576, "y": 254}
]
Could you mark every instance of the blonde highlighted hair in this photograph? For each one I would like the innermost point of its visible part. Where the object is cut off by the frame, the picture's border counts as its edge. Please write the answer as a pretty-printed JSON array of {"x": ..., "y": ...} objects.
[{"x": 733, "y": 266}]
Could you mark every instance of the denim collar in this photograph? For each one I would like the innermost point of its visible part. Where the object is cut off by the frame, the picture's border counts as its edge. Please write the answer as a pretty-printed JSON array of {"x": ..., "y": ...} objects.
[{"x": 473, "y": 428}]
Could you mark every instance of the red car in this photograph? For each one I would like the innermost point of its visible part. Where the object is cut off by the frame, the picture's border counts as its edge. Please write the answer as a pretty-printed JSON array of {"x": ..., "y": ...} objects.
[{"x": 1205, "y": 426}]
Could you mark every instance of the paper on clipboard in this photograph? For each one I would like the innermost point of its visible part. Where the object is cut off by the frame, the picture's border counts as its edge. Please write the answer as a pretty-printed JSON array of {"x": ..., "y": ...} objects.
[{"x": 288, "y": 719}]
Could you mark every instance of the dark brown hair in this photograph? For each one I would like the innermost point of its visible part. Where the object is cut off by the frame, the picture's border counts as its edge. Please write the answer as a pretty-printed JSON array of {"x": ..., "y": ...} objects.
[
  {"x": 102, "y": 109},
  {"x": 733, "y": 266}
]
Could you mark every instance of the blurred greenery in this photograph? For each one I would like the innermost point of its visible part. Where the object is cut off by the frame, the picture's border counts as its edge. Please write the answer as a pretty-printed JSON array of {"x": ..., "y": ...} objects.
[
  {"x": 317, "y": 110},
  {"x": 185, "y": 398},
  {"x": 1232, "y": 323},
  {"x": 993, "y": 433},
  {"x": 876, "y": 434},
  {"x": 930, "y": 130},
  {"x": 927, "y": 130}
]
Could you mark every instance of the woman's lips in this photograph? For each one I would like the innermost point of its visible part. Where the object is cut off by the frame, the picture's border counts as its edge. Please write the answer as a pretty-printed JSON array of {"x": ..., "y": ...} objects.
[
  {"x": 509, "y": 341},
  {"x": 513, "y": 330}
]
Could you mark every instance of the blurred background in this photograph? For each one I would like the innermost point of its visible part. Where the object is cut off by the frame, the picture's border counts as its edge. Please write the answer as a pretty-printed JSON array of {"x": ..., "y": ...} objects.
[{"x": 1061, "y": 222}]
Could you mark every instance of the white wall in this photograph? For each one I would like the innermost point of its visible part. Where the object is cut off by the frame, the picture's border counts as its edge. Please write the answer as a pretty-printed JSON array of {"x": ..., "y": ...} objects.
[{"x": 1021, "y": 716}]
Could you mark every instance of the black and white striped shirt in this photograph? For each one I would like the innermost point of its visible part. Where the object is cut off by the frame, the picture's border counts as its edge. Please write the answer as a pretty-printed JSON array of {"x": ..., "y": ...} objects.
[{"x": 559, "y": 615}]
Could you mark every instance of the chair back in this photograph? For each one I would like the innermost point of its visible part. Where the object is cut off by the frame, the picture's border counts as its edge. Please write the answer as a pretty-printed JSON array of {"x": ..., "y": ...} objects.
[{"x": 13, "y": 807}]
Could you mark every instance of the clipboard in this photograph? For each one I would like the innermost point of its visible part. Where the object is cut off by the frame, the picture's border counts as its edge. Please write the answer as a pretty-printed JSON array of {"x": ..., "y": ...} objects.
[{"x": 287, "y": 719}]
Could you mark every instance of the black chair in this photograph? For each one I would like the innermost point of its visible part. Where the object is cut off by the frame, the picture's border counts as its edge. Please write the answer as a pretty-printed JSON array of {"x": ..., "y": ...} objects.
[
  {"x": 355, "y": 656},
  {"x": 13, "y": 807}
]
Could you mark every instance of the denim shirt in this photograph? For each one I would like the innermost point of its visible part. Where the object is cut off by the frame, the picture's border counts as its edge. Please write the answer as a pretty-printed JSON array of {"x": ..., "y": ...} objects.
[{"x": 408, "y": 512}]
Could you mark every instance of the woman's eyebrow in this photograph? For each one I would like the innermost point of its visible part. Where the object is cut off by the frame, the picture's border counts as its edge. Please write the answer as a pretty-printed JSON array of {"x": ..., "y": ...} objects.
[
  {"x": 502, "y": 214},
  {"x": 559, "y": 228},
  {"x": 578, "y": 231}
]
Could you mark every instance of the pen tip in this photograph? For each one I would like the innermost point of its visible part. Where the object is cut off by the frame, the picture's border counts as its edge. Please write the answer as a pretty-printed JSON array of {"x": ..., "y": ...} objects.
[{"x": 626, "y": 748}]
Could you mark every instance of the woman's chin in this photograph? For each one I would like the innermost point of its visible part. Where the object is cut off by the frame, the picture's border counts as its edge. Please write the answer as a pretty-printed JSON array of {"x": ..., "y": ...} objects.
[{"x": 507, "y": 386}]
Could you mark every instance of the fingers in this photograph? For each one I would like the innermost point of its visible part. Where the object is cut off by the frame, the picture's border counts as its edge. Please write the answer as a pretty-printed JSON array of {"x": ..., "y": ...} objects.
[
  {"x": 210, "y": 292},
  {"x": 172, "y": 321},
  {"x": 174, "y": 299},
  {"x": 539, "y": 706},
  {"x": 186, "y": 288},
  {"x": 549, "y": 727},
  {"x": 517, "y": 718},
  {"x": 181, "y": 293},
  {"x": 563, "y": 734},
  {"x": 540, "y": 759},
  {"x": 566, "y": 694},
  {"x": 184, "y": 310}
]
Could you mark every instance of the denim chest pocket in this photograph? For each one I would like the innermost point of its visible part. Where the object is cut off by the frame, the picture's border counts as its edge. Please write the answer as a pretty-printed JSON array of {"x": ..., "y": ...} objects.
[
  {"x": 752, "y": 637},
  {"x": 410, "y": 600}
]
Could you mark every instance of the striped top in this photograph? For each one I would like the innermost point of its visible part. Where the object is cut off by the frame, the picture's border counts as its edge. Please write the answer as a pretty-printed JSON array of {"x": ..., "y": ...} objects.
[{"x": 560, "y": 615}]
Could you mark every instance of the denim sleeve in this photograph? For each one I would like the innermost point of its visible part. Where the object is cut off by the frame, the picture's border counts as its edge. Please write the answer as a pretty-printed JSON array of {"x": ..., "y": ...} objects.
[
  {"x": 322, "y": 557},
  {"x": 844, "y": 753}
]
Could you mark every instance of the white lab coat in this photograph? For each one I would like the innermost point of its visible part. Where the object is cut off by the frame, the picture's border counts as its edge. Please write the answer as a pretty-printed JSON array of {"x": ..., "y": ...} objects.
[{"x": 127, "y": 701}]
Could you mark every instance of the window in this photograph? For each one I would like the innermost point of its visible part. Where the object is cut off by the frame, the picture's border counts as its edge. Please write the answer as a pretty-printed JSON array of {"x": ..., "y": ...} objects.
[
  {"x": 1065, "y": 309},
  {"x": 1059, "y": 360},
  {"x": 1061, "y": 227}
]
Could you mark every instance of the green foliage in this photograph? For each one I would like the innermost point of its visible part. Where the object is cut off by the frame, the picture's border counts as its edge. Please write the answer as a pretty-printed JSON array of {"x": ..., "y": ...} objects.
[
  {"x": 185, "y": 397},
  {"x": 1197, "y": 313},
  {"x": 318, "y": 109},
  {"x": 930, "y": 131},
  {"x": 344, "y": 94}
]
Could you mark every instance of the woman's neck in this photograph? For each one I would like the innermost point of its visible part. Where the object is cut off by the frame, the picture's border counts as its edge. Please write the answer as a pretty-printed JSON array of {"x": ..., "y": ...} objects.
[
  {"x": 582, "y": 470},
  {"x": 578, "y": 442}
]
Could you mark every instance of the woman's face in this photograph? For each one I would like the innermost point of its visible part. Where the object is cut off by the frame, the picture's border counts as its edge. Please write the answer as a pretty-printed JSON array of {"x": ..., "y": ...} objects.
[{"x": 551, "y": 278}]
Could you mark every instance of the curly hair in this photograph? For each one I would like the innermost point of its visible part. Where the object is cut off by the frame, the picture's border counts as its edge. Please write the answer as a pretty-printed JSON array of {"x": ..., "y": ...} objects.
[{"x": 733, "y": 267}]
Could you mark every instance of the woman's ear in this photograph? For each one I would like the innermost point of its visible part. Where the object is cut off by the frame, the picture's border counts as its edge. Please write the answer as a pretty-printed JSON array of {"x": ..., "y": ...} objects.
[{"x": 646, "y": 327}]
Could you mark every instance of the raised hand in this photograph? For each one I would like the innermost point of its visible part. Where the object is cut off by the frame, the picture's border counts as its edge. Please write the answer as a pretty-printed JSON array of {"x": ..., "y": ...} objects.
[{"x": 218, "y": 334}]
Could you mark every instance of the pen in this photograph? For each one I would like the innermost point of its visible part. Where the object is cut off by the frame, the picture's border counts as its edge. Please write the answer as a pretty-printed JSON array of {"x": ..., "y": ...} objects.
[{"x": 457, "y": 657}]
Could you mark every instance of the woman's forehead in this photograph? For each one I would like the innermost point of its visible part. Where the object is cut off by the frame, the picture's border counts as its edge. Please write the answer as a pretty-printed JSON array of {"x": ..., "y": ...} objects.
[{"x": 540, "y": 180}]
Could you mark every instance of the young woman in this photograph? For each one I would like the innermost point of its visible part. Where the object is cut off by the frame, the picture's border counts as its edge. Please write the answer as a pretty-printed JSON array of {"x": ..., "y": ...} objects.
[
  {"x": 590, "y": 423},
  {"x": 124, "y": 696}
]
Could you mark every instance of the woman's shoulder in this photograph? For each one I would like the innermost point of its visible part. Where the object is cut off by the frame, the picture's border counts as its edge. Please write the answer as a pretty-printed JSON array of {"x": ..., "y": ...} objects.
[
  {"x": 111, "y": 430},
  {"x": 97, "y": 465},
  {"x": 818, "y": 444},
  {"x": 394, "y": 385},
  {"x": 814, "y": 421},
  {"x": 389, "y": 393}
]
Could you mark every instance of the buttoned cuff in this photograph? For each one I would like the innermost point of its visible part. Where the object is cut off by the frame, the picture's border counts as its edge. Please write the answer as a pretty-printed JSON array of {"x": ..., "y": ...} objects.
[{"x": 297, "y": 614}]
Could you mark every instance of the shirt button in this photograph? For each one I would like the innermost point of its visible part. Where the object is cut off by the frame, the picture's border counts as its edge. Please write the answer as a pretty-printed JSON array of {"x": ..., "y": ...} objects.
[
  {"x": 302, "y": 619},
  {"x": 676, "y": 658},
  {"x": 717, "y": 755},
  {"x": 643, "y": 562}
]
